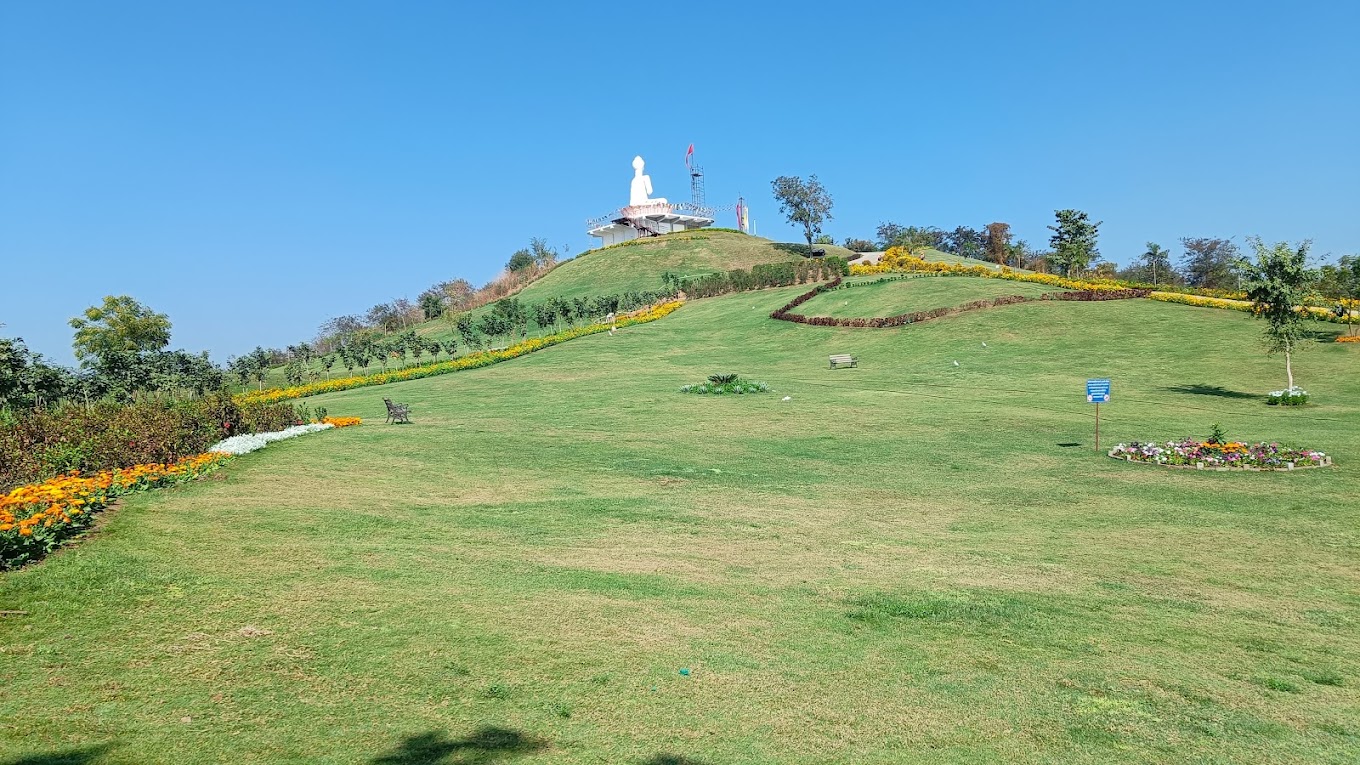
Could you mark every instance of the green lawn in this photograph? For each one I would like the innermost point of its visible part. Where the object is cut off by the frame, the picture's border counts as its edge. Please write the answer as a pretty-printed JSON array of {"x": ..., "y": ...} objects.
[
  {"x": 908, "y": 562},
  {"x": 867, "y": 296}
]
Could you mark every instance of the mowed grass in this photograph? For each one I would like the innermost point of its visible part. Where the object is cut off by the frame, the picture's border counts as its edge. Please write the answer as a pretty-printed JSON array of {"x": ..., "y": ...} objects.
[
  {"x": 868, "y": 297},
  {"x": 639, "y": 267},
  {"x": 908, "y": 562}
]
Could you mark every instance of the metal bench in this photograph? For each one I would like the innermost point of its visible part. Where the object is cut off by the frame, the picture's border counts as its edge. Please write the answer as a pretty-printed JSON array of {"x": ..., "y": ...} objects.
[
  {"x": 397, "y": 413},
  {"x": 843, "y": 360}
]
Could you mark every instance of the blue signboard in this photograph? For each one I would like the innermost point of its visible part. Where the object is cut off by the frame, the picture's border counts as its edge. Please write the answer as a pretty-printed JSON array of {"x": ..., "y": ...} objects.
[{"x": 1098, "y": 391}]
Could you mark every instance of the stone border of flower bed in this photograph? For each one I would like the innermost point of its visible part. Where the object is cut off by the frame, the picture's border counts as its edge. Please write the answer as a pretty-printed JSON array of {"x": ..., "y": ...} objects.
[{"x": 1287, "y": 468}]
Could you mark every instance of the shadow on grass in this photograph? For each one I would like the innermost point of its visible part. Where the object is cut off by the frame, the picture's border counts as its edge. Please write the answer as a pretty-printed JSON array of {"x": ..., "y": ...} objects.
[
  {"x": 487, "y": 744},
  {"x": 673, "y": 759},
  {"x": 83, "y": 756},
  {"x": 1209, "y": 390}
]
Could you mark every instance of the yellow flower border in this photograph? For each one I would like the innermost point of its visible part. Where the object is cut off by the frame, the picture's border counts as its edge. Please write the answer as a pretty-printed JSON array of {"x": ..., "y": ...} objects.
[{"x": 470, "y": 361}]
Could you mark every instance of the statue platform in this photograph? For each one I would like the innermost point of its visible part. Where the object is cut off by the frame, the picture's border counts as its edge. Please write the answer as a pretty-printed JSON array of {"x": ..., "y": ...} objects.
[{"x": 651, "y": 219}]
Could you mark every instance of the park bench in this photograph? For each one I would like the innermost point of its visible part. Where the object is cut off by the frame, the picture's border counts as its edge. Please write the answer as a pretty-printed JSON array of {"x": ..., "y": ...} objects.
[
  {"x": 843, "y": 360},
  {"x": 397, "y": 412}
]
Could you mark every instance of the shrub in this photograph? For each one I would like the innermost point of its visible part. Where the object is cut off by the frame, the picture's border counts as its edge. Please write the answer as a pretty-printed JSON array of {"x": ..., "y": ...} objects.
[
  {"x": 1294, "y": 396},
  {"x": 108, "y": 435},
  {"x": 720, "y": 385}
]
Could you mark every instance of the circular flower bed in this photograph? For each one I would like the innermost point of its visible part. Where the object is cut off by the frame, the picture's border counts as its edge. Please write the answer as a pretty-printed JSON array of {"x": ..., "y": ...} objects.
[{"x": 1229, "y": 455}]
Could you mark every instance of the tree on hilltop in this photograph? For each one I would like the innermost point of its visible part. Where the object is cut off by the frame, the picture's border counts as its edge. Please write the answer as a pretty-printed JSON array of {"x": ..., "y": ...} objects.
[
  {"x": 1073, "y": 242},
  {"x": 806, "y": 204},
  {"x": 1278, "y": 284}
]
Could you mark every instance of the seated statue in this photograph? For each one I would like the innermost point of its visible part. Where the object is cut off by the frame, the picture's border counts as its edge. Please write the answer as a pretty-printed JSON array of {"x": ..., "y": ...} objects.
[{"x": 641, "y": 189}]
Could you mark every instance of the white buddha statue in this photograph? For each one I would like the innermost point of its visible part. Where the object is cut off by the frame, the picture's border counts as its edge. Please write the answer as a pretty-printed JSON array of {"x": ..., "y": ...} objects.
[{"x": 641, "y": 188}]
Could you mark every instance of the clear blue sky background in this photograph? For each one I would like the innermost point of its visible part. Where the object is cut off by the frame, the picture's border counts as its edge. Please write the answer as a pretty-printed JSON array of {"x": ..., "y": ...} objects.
[{"x": 252, "y": 168}]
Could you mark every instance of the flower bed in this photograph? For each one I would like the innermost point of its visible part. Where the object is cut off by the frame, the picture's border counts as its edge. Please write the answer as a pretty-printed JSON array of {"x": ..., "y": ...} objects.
[
  {"x": 1294, "y": 396},
  {"x": 896, "y": 260},
  {"x": 470, "y": 361},
  {"x": 738, "y": 387},
  {"x": 1348, "y": 339},
  {"x": 35, "y": 519},
  {"x": 1230, "y": 455}
]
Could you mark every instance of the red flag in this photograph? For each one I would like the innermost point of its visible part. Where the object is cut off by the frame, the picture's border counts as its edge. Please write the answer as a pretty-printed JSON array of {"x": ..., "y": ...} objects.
[{"x": 689, "y": 156}]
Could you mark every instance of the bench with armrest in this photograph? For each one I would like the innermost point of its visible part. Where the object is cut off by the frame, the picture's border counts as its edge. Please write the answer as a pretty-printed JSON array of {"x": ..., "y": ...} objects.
[
  {"x": 397, "y": 412},
  {"x": 843, "y": 360}
]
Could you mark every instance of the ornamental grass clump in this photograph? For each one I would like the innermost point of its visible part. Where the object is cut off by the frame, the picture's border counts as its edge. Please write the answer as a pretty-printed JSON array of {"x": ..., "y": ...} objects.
[{"x": 723, "y": 384}]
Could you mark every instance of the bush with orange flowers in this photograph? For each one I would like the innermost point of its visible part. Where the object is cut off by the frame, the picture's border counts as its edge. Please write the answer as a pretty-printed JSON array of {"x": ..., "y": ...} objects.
[{"x": 35, "y": 519}]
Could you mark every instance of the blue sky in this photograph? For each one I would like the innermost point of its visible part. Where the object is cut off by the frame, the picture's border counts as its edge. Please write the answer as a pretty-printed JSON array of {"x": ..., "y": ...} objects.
[{"x": 254, "y": 168}]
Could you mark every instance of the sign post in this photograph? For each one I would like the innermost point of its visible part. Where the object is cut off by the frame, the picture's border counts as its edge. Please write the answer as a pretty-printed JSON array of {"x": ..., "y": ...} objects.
[{"x": 1098, "y": 392}]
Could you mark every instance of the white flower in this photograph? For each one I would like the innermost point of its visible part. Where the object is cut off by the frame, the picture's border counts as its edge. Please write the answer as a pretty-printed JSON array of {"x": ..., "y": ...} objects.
[{"x": 255, "y": 441}]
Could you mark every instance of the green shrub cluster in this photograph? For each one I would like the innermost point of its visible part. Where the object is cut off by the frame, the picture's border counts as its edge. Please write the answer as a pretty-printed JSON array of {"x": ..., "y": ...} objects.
[
  {"x": 40, "y": 444},
  {"x": 761, "y": 277}
]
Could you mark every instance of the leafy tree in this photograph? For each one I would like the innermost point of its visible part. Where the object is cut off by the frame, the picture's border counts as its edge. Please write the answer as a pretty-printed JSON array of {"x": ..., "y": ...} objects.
[
  {"x": 458, "y": 293},
  {"x": 805, "y": 204},
  {"x": 327, "y": 362},
  {"x": 431, "y": 303},
  {"x": 965, "y": 241},
  {"x": 417, "y": 348},
  {"x": 493, "y": 324},
  {"x": 292, "y": 372},
  {"x": 888, "y": 234},
  {"x": 467, "y": 330},
  {"x": 1020, "y": 253},
  {"x": 545, "y": 315},
  {"x": 520, "y": 261},
  {"x": 26, "y": 381},
  {"x": 1278, "y": 285},
  {"x": 348, "y": 359},
  {"x": 120, "y": 325},
  {"x": 385, "y": 316},
  {"x": 543, "y": 255},
  {"x": 1156, "y": 263},
  {"x": 1073, "y": 242},
  {"x": 998, "y": 242},
  {"x": 911, "y": 238},
  {"x": 1210, "y": 263},
  {"x": 858, "y": 245},
  {"x": 824, "y": 239}
]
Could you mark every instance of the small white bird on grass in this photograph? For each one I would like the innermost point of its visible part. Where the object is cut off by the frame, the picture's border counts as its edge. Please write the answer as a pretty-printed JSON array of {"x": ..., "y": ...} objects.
[
  {"x": 786, "y": 398},
  {"x": 956, "y": 363},
  {"x": 984, "y": 345}
]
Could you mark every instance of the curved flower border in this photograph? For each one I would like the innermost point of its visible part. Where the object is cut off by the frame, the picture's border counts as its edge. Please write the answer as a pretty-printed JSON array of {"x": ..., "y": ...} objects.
[{"x": 37, "y": 518}]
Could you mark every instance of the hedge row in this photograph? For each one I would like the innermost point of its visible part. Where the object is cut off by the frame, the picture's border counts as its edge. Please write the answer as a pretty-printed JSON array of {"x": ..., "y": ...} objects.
[{"x": 107, "y": 435}]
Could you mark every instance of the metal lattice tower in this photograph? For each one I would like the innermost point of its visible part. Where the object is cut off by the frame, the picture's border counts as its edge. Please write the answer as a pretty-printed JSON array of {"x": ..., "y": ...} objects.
[{"x": 696, "y": 185}]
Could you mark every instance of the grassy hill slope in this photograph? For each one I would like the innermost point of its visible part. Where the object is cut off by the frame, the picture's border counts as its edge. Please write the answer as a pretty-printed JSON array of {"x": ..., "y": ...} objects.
[
  {"x": 638, "y": 267},
  {"x": 867, "y": 296},
  {"x": 908, "y": 562}
]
